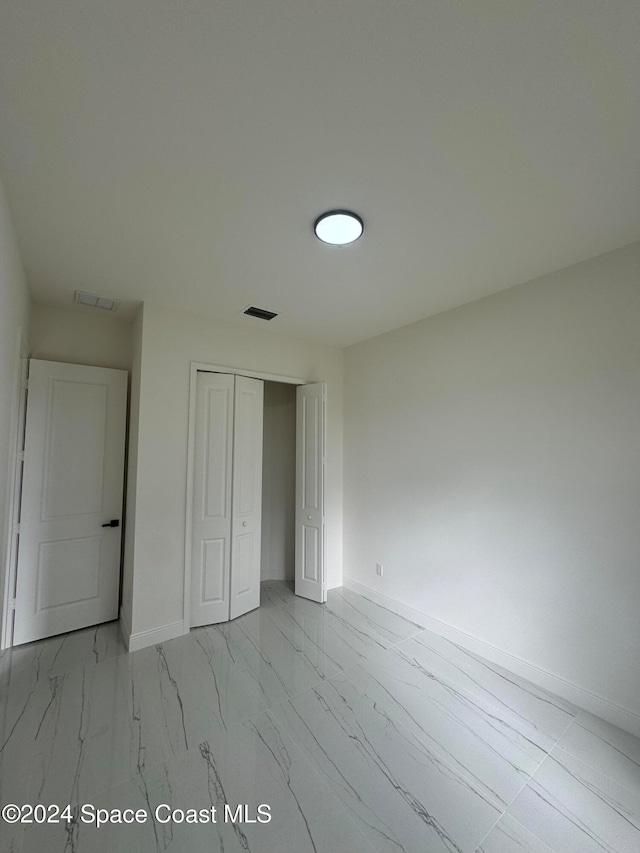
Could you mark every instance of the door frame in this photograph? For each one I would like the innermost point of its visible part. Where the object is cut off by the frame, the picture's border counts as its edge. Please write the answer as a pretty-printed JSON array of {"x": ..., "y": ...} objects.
[
  {"x": 14, "y": 486},
  {"x": 195, "y": 367}
]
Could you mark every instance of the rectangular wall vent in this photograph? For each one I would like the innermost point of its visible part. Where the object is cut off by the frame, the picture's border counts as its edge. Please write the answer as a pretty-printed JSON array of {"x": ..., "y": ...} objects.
[
  {"x": 252, "y": 311},
  {"x": 94, "y": 301}
]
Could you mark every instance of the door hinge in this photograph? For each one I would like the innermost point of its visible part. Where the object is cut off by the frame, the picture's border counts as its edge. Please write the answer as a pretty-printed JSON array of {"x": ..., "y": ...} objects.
[
  {"x": 16, "y": 528},
  {"x": 12, "y": 604},
  {"x": 25, "y": 384},
  {"x": 21, "y": 456}
]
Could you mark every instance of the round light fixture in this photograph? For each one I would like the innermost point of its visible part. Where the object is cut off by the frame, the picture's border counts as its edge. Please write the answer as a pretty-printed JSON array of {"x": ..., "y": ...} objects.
[{"x": 338, "y": 227}]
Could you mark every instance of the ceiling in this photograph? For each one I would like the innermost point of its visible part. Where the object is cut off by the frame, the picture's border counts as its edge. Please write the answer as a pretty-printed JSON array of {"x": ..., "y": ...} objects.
[{"x": 180, "y": 150}]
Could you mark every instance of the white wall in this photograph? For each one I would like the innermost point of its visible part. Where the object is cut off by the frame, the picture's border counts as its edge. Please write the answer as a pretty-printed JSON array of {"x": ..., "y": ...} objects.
[
  {"x": 80, "y": 335},
  {"x": 14, "y": 322},
  {"x": 279, "y": 482},
  {"x": 171, "y": 340},
  {"x": 492, "y": 464},
  {"x": 126, "y": 609}
]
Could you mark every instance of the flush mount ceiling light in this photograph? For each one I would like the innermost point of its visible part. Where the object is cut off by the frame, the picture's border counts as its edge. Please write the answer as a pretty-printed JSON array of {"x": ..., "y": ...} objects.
[{"x": 338, "y": 227}]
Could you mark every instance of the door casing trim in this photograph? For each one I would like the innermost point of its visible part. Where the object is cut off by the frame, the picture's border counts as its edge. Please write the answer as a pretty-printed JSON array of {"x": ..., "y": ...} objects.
[{"x": 18, "y": 414}]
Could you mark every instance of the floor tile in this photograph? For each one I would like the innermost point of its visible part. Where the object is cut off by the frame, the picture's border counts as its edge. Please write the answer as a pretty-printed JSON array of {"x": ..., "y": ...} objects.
[
  {"x": 144, "y": 791},
  {"x": 509, "y": 836},
  {"x": 575, "y": 809},
  {"x": 276, "y": 593},
  {"x": 258, "y": 764},
  {"x": 495, "y": 750},
  {"x": 346, "y": 631},
  {"x": 20, "y": 713},
  {"x": 23, "y": 666},
  {"x": 535, "y": 706},
  {"x": 610, "y": 750},
  {"x": 316, "y": 626},
  {"x": 361, "y": 729},
  {"x": 201, "y": 684},
  {"x": 280, "y": 656},
  {"x": 254, "y": 765},
  {"x": 11, "y": 840},
  {"x": 376, "y": 621},
  {"x": 97, "y": 730},
  {"x": 402, "y": 796}
]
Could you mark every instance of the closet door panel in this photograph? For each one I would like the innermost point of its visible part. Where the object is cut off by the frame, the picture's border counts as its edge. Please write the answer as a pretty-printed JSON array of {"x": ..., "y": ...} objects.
[
  {"x": 311, "y": 429},
  {"x": 247, "y": 496},
  {"x": 213, "y": 570},
  {"x": 212, "y": 504}
]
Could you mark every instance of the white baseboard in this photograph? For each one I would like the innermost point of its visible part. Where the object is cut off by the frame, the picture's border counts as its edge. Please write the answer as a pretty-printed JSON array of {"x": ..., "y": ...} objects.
[
  {"x": 277, "y": 575},
  {"x": 143, "y": 639},
  {"x": 623, "y": 717},
  {"x": 276, "y": 572}
]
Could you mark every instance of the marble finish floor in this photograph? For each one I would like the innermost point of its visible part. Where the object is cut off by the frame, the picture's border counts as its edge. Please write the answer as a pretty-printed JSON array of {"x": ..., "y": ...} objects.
[{"x": 361, "y": 730}]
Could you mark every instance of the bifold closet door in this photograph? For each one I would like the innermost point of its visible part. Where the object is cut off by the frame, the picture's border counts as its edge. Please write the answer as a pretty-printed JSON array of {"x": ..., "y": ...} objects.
[
  {"x": 311, "y": 431},
  {"x": 212, "y": 482},
  {"x": 246, "y": 523},
  {"x": 227, "y": 498}
]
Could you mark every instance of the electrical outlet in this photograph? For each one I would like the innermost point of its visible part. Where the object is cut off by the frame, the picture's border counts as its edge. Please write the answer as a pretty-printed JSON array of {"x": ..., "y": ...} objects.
[{"x": 379, "y": 569}]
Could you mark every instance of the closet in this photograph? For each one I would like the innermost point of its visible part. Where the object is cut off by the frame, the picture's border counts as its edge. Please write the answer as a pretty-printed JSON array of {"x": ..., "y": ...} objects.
[{"x": 224, "y": 516}]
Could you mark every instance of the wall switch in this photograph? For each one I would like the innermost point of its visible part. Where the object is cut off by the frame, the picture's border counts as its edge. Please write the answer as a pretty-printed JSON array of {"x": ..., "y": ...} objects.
[{"x": 379, "y": 569}]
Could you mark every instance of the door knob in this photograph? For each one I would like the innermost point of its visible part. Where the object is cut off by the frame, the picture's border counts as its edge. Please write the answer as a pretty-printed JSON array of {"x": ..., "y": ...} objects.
[
  {"x": 309, "y": 517},
  {"x": 115, "y": 522},
  {"x": 244, "y": 523}
]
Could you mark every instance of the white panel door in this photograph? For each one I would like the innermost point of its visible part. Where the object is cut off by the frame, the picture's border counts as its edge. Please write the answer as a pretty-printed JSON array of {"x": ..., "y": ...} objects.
[
  {"x": 247, "y": 496},
  {"x": 212, "y": 505},
  {"x": 311, "y": 415},
  {"x": 69, "y": 558}
]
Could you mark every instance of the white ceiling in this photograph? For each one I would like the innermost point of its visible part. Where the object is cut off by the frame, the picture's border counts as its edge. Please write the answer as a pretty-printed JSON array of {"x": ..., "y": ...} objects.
[{"x": 180, "y": 150}]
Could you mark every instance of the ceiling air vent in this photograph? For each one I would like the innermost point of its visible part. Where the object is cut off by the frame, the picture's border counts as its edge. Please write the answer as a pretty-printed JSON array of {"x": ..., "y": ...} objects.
[
  {"x": 94, "y": 301},
  {"x": 252, "y": 311}
]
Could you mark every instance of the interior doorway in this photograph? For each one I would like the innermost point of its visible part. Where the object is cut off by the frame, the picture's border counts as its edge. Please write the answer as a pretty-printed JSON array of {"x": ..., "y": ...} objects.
[
  {"x": 279, "y": 483},
  {"x": 68, "y": 565}
]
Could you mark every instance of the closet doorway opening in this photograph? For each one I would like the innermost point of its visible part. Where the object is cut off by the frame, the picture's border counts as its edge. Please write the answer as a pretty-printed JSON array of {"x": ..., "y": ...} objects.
[
  {"x": 255, "y": 520},
  {"x": 278, "y": 543}
]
